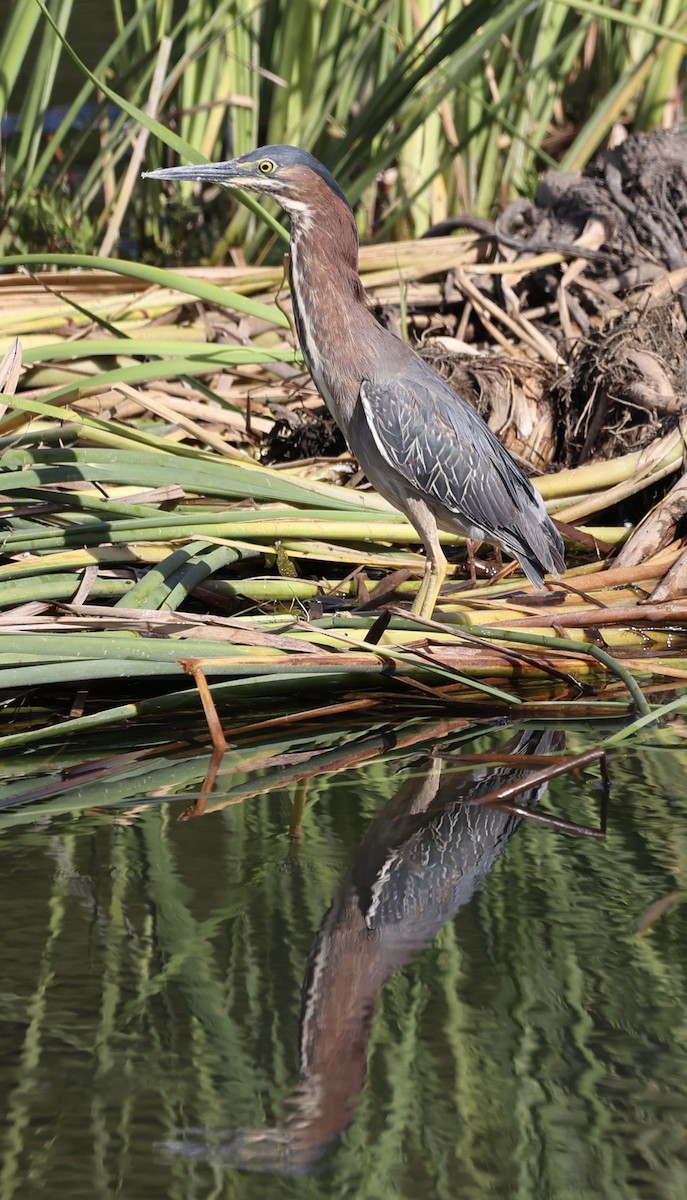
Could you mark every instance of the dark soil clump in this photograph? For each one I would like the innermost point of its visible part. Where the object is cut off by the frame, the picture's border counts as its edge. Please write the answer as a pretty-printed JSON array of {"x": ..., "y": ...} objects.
[{"x": 610, "y": 317}]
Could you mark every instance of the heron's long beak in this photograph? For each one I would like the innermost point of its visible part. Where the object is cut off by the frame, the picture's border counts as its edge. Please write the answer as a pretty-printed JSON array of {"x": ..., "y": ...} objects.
[{"x": 229, "y": 174}]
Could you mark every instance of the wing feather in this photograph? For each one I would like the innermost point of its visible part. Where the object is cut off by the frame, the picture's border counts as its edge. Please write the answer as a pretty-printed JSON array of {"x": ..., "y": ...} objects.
[{"x": 444, "y": 449}]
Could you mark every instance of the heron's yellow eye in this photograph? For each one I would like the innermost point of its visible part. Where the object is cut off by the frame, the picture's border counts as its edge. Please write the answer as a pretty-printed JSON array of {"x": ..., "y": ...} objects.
[{"x": 265, "y": 166}]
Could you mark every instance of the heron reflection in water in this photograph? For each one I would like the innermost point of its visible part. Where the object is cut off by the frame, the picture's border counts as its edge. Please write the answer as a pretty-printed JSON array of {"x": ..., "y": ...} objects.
[{"x": 420, "y": 861}]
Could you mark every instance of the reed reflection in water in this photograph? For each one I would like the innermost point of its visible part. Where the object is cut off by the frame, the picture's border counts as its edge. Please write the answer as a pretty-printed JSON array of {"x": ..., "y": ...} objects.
[{"x": 152, "y": 984}]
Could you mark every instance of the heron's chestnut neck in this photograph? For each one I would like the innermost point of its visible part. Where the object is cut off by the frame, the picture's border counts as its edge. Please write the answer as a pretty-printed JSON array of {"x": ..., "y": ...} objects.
[{"x": 337, "y": 332}]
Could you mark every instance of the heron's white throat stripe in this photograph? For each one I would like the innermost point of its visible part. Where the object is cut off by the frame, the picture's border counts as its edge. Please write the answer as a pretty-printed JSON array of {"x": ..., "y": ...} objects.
[{"x": 311, "y": 351}]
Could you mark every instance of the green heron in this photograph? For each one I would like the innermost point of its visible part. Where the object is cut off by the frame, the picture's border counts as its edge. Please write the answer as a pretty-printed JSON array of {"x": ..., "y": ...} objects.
[{"x": 420, "y": 444}]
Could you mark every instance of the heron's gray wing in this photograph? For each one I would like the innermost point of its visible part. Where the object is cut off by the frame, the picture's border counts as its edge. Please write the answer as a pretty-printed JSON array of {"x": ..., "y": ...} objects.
[{"x": 446, "y": 451}]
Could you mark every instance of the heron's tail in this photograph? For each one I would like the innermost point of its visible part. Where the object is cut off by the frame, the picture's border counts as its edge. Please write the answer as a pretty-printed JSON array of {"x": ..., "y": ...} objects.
[{"x": 539, "y": 550}]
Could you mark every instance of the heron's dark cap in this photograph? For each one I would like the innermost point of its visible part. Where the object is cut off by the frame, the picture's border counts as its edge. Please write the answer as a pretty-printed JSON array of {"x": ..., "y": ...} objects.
[{"x": 293, "y": 156}]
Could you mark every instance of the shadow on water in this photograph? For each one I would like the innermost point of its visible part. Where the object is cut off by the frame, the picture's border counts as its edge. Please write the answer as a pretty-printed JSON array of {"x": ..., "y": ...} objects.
[{"x": 325, "y": 967}]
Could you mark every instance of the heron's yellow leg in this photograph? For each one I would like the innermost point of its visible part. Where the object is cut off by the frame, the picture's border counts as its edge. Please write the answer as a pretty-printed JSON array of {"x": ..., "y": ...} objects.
[
  {"x": 422, "y": 590},
  {"x": 435, "y": 565},
  {"x": 432, "y": 581}
]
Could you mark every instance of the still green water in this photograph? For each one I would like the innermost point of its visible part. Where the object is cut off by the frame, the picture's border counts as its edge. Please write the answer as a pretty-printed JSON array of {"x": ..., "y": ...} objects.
[{"x": 417, "y": 996}]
